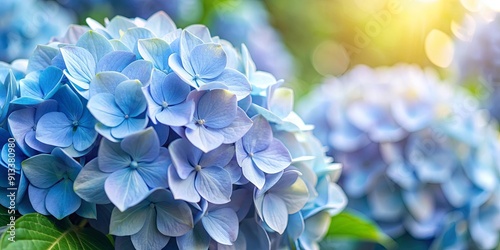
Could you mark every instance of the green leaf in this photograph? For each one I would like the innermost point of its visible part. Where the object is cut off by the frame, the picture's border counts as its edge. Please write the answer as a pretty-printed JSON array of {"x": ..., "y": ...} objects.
[
  {"x": 350, "y": 225},
  {"x": 35, "y": 231}
]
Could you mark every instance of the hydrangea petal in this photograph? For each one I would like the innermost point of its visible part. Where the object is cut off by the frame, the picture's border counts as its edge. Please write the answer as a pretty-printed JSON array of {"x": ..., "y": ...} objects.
[
  {"x": 197, "y": 238},
  {"x": 204, "y": 53},
  {"x": 43, "y": 170},
  {"x": 104, "y": 108},
  {"x": 89, "y": 184},
  {"x": 156, "y": 51},
  {"x": 125, "y": 188},
  {"x": 214, "y": 184},
  {"x": 54, "y": 128},
  {"x": 106, "y": 82},
  {"x": 80, "y": 64},
  {"x": 130, "y": 221},
  {"x": 128, "y": 127},
  {"x": 139, "y": 70},
  {"x": 130, "y": 99},
  {"x": 183, "y": 189},
  {"x": 275, "y": 213},
  {"x": 115, "y": 61},
  {"x": 174, "y": 218},
  {"x": 112, "y": 157},
  {"x": 204, "y": 138},
  {"x": 95, "y": 43},
  {"x": 37, "y": 198},
  {"x": 274, "y": 159},
  {"x": 222, "y": 225},
  {"x": 62, "y": 193},
  {"x": 217, "y": 108},
  {"x": 160, "y": 23},
  {"x": 149, "y": 237}
]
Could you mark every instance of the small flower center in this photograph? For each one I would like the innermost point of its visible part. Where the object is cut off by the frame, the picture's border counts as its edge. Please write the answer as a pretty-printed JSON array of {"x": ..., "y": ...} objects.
[
  {"x": 200, "y": 122},
  {"x": 151, "y": 205},
  {"x": 34, "y": 127},
  {"x": 164, "y": 104},
  {"x": 126, "y": 116},
  {"x": 75, "y": 123},
  {"x": 196, "y": 77},
  {"x": 250, "y": 154},
  {"x": 197, "y": 168},
  {"x": 134, "y": 165}
]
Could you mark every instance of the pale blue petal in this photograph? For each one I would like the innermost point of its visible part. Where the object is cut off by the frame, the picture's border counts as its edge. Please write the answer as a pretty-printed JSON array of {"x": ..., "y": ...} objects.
[
  {"x": 204, "y": 138},
  {"x": 184, "y": 157},
  {"x": 169, "y": 88},
  {"x": 217, "y": 108},
  {"x": 115, "y": 61},
  {"x": 143, "y": 146},
  {"x": 139, "y": 70},
  {"x": 295, "y": 225},
  {"x": 188, "y": 42},
  {"x": 182, "y": 189},
  {"x": 178, "y": 115},
  {"x": 420, "y": 203},
  {"x": 89, "y": 184},
  {"x": 21, "y": 122},
  {"x": 87, "y": 210},
  {"x": 214, "y": 184},
  {"x": 155, "y": 173},
  {"x": 119, "y": 23},
  {"x": 295, "y": 195},
  {"x": 175, "y": 64},
  {"x": 222, "y": 225},
  {"x": 41, "y": 57},
  {"x": 128, "y": 222},
  {"x": 128, "y": 127},
  {"x": 133, "y": 35},
  {"x": 35, "y": 144},
  {"x": 80, "y": 63},
  {"x": 112, "y": 157},
  {"x": 130, "y": 99},
  {"x": 259, "y": 136},
  {"x": 104, "y": 108},
  {"x": 106, "y": 82},
  {"x": 219, "y": 157},
  {"x": 125, "y": 188},
  {"x": 256, "y": 236},
  {"x": 156, "y": 51},
  {"x": 275, "y": 213},
  {"x": 274, "y": 159},
  {"x": 160, "y": 23},
  {"x": 149, "y": 237},
  {"x": 281, "y": 102},
  {"x": 62, "y": 193},
  {"x": 208, "y": 60},
  {"x": 200, "y": 31},
  {"x": 238, "y": 128},
  {"x": 253, "y": 174},
  {"x": 236, "y": 82},
  {"x": 95, "y": 43},
  {"x": 55, "y": 129}
]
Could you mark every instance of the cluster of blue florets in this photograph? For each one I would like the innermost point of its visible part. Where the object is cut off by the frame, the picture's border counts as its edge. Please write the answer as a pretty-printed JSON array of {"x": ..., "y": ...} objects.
[{"x": 158, "y": 133}]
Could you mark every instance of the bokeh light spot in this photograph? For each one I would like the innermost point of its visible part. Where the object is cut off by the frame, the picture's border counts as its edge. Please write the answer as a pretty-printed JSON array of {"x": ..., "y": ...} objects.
[
  {"x": 330, "y": 58},
  {"x": 439, "y": 48}
]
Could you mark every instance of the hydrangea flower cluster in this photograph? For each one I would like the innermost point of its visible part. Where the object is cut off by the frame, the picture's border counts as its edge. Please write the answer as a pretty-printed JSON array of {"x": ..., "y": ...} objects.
[
  {"x": 478, "y": 60},
  {"x": 28, "y": 23},
  {"x": 174, "y": 131},
  {"x": 419, "y": 157}
]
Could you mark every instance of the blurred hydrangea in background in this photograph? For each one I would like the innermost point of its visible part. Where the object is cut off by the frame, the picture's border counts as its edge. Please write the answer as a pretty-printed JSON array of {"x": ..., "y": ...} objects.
[
  {"x": 25, "y": 24},
  {"x": 419, "y": 155}
]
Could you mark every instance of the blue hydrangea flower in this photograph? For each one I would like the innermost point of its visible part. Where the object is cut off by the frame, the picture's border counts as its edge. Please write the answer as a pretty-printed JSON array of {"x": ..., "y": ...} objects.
[
  {"x": 51, "y": 184},
  {"x": 258, "y": 153},
  {"x": 71, "y": 126},
  {"x": 126, "y": 170},
  {"x": 217, "y": 119},
  {"x": 191, "y": 66},
  {"x": 121, "y": 111},
  {"x": 177, "y": 155},
  {"x": 23, "y": 125},
  {"x": 166, "y": 96},
  {"x": 156, "y": 219},
  {"x": 282, "y": 195},
  {"x": 39, "y": 86},
  {"x": 195, "y": 175},
  {"x": 416, "y": 156}
]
